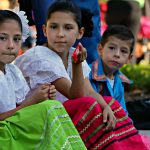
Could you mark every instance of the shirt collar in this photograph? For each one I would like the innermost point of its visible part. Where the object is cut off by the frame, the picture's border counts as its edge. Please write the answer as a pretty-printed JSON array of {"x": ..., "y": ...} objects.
[{"x": 98, "y": 72}]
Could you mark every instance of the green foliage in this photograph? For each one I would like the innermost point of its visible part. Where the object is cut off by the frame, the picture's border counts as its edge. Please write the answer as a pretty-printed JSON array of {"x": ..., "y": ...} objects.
[{"x": 139, "y": 74}]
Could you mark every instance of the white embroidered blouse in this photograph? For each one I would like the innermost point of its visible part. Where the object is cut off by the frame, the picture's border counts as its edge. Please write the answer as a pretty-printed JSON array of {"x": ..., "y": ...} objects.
[
  {"x": 42, "y": 65},
  {"x": 13, "y": 88}
]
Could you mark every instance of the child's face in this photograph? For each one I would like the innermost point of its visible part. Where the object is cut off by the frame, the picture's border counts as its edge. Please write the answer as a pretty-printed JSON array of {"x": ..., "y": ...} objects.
[
  {"x": 10, "y": 41},
  {"x": 61, "y": 31},
  {"x": 115, "y": 53}
]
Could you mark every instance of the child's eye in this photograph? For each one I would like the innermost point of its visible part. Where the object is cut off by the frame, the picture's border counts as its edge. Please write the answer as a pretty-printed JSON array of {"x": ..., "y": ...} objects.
[
  {"x": 53, "y": 26},
  {"x": 124, "y": 51},
  {"x": 2, "y": 38},
  {"x": 111, "y": 47},
  {"x": 69, "y": 27},
  {"x": 17, "y": 39}
]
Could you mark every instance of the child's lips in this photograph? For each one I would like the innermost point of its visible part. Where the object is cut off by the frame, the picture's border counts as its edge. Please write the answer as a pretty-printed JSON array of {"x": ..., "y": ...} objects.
[
  {"x": 115, "y": 63},
  {"x": 9, "y": 53},
  {"x": 60, "y": 42},
  {"x": 10, "y": 56}
]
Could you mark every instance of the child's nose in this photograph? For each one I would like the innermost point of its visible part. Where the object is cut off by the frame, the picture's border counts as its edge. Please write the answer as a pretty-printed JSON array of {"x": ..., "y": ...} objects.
[
  {"x": 117, "y": 53},
  {"x": 60, "y": 32},
  {"x": 10, "y": 44}
]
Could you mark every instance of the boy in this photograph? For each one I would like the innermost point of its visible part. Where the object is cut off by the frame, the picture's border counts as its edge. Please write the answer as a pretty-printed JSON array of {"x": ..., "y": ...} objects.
[{"x": 115, "y": 50}]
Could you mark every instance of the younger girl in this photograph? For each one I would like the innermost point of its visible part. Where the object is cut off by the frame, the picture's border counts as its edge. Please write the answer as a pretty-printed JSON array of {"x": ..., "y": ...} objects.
[
  {"x": 52, "y": 63},
  {"x": 44, "y": 125}
]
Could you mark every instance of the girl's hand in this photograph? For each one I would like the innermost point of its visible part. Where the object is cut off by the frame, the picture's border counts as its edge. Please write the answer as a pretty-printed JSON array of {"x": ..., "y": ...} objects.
[
  {"x": 35, "y": 96},
  {"x": 52, "y": 92},
  {"x": 79, "y": 54},
  {"x": 108, "y": 118},
  {"x": 40, "y": 93}
]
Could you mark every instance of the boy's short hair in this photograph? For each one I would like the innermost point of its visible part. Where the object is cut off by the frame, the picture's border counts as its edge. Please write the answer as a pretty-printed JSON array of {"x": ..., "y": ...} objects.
[{"x": 121, "y": 32}]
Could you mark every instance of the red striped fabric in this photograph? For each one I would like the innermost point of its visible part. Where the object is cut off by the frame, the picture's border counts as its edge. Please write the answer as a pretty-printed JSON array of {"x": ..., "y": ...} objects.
[{"x": 86, "y": 115}]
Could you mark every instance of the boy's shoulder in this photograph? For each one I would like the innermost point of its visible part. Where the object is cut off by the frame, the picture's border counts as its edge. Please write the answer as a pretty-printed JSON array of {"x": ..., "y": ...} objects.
[
  {"x": 123, "y": 77},
  {"x": 97, "y": 72}
]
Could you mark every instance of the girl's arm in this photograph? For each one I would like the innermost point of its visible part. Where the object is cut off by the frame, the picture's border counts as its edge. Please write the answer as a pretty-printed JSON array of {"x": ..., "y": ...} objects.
[
  {"x": 7, "y": 114},
  {"x": 39, "y": 94},
  {"x": 108, "y": 116},
  {"x": 74, "y": 89},
  {"x": 77, "y": 87}
]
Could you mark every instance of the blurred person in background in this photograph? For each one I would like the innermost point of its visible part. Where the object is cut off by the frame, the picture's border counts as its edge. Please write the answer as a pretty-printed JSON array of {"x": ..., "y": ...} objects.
[
  {"x": 125, "y": 12},
  {"x": 9, "y": 4}
]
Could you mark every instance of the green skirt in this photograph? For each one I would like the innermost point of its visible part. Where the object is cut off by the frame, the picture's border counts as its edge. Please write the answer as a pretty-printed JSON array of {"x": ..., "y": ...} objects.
[{"x": 43, "y": 126}]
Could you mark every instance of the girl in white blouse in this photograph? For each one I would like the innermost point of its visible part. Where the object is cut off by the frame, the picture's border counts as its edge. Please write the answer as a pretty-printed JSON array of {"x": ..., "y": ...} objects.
[{"x": 28, "y": 120}]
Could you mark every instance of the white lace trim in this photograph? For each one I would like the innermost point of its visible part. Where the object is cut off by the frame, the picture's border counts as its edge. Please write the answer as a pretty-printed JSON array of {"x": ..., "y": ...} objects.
[{"x": 24, "y": 21}]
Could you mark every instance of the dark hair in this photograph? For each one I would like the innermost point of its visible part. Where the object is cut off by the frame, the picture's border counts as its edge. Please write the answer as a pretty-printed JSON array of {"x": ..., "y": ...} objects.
[
  {"x": 83, "y": 17},
  {"x": 121, "y": 32},
  {"x": 7, "y": 14}
]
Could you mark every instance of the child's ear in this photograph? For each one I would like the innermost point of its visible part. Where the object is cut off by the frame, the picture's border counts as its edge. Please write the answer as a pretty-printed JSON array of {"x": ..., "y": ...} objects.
[
  {"x": 130, "y": 58},
  {"x": 81, "y": 32},
  {"x": 99, "y": 49},
  {"x": 44, "y": 30}
]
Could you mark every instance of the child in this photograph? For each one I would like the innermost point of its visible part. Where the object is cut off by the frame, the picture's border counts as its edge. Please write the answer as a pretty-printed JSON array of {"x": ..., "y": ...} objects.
[
  {"x": 115, "y": 50},
  {"x": 52, "y": 63},
  {"x": 36, "y": 123}
]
